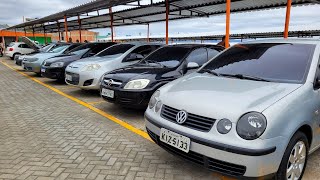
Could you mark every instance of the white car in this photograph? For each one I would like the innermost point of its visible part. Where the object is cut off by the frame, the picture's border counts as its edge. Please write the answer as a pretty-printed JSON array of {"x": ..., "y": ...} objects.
[
  {"x": 18, "y": 48},
  {"x": 87, "y": 73}
]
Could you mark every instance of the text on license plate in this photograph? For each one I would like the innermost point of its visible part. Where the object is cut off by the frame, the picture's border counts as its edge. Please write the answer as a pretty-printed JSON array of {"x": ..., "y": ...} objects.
[
  {"x": 68, "y": 77},
  {"x": 107, "y": 92},
  {"x": 174, "y": 139}
]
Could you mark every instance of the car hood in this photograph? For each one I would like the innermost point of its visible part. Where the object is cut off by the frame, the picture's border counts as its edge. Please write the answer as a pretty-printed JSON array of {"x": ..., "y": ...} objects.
[
  {"x": 30, "y": 43},
  {"x": 93, "y": 60},
  {"x": 64, "y": 58},
  {"x": 139, "y": 72},
  {"x": 222, "y": 97}
]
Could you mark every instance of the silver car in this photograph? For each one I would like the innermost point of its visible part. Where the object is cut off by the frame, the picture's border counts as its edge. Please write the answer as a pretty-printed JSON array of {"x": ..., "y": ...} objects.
[
  {"x": 33, "y": 62},
  {"x": 87, "y": 73},
  {"x": 252, "y": 111}
]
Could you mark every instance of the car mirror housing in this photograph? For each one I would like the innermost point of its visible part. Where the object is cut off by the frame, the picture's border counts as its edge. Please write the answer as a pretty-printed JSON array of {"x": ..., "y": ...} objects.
[{"x": 192, "y": 65}]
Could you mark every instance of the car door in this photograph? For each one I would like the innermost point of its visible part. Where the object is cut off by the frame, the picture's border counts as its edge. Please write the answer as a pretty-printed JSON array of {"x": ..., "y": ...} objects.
[
  {"x": 199, "y": 56},
  {"x": 25, "y": 49}
]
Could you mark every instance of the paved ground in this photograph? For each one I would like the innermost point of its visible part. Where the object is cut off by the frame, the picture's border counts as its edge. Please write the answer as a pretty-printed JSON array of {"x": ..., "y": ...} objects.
[{"x": 44, "y": 135}]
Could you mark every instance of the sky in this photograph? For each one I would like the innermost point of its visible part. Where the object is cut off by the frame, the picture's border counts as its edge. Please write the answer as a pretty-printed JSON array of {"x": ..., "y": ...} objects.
[{"x": 302, "y": 18}]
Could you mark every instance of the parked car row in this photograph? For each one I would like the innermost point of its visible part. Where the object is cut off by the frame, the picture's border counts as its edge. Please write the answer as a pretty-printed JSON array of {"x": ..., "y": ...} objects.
[{"x": 249, "y": 111}]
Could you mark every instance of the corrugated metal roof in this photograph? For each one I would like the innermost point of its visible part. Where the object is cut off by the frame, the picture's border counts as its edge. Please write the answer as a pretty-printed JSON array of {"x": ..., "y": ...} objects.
[{"x": 179, "y": 9}]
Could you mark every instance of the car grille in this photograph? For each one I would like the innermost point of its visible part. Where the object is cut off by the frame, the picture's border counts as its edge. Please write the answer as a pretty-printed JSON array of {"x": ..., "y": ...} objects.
[
  {"x": 113, "y": 82},
  {"x": 209, "y": 163},
  {"x": 193, "y": 121},
  {"x": 75, "y": 78}
]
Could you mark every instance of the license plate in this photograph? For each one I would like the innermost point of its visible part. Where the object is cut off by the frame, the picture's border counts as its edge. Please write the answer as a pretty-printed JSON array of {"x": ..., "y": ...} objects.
[
  {"x": 43, "y": 70},
  {"x": 68, "y": 77},
  {"x": 108, "y": 93},
  {"x": 174, "y": 139}
]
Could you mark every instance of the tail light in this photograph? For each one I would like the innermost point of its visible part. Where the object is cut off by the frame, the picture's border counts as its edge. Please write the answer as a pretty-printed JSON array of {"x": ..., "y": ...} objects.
[{"x": 10, "y": 49}]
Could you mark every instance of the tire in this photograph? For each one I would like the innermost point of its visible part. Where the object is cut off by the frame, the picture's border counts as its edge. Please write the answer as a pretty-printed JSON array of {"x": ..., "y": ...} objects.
[
  {"x": 300, "y": 141},
  {"x": 14, "y": 55}
]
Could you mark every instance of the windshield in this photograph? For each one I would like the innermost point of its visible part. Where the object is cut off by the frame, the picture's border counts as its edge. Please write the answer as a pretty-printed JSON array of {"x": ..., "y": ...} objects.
[
  {"x": 116, "y": 50},
  {"x": 46, "y": 48},
  {"x": 58, "y": 49},
  {"x": 270, "y": 62},
  {"x": 169, "y": 56}
]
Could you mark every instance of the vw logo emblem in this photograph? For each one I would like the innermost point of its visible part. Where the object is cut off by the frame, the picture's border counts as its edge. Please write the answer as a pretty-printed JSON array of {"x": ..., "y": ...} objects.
[
  {"x": 110, "y": 82},
  {"x": 181, "y": 117}
]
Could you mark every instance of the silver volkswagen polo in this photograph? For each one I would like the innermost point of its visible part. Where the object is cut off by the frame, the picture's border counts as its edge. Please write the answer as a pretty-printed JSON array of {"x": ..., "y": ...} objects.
[{"x": 252, "y": 111}]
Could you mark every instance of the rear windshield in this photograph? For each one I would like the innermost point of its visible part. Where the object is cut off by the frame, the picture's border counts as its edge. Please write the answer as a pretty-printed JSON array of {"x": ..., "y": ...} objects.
[
  {"x": 273, "y": 62},
  {"x": 169, "y": 56},
  {"x": 116, "y": 50}
]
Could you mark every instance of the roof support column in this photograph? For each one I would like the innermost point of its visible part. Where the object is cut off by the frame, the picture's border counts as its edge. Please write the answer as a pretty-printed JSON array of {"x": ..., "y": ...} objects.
[
  {"x": 79, "y": 21},
  {"x": 66, "y": 28},
  {"x": 111, "y": 23},
  {"x": 34, "y": 38},
  {"x": 167, "y": 21},
  {"x": 228, "y": 5},
  {"x": 15, "y": 32},
  {"x": 286, "y": 26},
  {"x": 45, "y": 36},
  {"x": 148, "y": 36}
]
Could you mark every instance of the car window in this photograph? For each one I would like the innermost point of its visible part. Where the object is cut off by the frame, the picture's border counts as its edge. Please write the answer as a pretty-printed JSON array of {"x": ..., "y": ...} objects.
[
  {"x": 116, "y": 50},
  {"x": 70, "y": 48},
  {"x": 212, "y": 53},
  {"x": 11, "y": 44},
  {"x": 58, "y": 49},
  {"x": 139, "y": 53},
  {"x": 198, "y": 56},
  {"x": 271, "y": 61},
  {"x": 169, "y": 56},
  {"x": 99, "y": 47}
]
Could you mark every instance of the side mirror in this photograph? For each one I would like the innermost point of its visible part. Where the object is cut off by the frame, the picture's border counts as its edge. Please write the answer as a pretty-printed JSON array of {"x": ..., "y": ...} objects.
[{"x": 192, "y": 65}]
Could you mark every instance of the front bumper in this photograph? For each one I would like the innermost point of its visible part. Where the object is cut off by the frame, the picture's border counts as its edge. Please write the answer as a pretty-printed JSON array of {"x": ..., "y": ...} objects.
[
  {"x": 233, "y": 161},
  {"x": 53, "y": 73},
  {"x": 132, "y": 99},
  {"x": 32, "y": 66},
  {"x": 19, "y": 62},
  {"x": 89, "y": 80}
]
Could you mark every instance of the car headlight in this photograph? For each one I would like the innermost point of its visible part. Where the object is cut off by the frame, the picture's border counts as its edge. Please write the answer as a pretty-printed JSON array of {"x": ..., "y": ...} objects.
[
  {"x": 91, "y": 67},
  {"x": 57, "y": 64},
  {"x": 154, "y": 99},
  {"x": 224, "y": 126},
  {"x": 158, "y": 106},
  {"x": 137, "y": 84},
  {"x": 251, "y": 125}
]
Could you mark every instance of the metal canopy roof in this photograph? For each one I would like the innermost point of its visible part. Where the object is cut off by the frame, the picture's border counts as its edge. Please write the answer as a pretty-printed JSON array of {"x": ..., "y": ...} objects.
[{"x": 154, "y": 12}]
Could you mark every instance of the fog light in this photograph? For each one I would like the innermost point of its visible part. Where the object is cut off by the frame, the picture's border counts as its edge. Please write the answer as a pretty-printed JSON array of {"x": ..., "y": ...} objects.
[
  {"x": 88, "y": 82},
  {"x": 224, "y": 126},
  {"x": 158, "y": 106}
]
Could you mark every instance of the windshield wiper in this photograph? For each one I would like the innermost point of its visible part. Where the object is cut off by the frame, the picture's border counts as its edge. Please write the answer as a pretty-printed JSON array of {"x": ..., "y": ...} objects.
[
  {"x": 242, "y": 76},
  {"x": 155, "y": 62},
  {"x": 209, "y": 71}
]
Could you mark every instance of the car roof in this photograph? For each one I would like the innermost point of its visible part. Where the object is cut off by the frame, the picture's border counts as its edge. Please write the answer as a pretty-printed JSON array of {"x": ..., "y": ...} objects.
[
  {"x": 137, "y": 43},
  {"x": 282, "y": 40},
  {"x": 196, "y": 45}
]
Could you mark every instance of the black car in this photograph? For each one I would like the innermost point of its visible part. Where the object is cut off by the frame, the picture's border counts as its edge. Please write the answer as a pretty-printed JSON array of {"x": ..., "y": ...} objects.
[
  {"x": 54, "y": 68},
  {"x": 133, "y": 85}
]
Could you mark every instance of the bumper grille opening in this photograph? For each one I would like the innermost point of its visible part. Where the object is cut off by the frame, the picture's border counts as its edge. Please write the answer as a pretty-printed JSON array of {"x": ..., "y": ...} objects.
[
  {"x": 209, "y": 163},
  {"x": 193, "y": 121},
  {"x": 88, "y": 82}
]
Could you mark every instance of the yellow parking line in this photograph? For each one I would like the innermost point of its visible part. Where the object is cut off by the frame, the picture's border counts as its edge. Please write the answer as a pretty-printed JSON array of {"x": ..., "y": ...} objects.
[
  {"x": 98, "y": 102},
  {"x": 102, "y": 113}
]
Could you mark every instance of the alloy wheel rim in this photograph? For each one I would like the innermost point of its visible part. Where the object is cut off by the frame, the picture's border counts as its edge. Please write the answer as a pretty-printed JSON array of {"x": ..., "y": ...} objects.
[{"x": 296, "y": 161}]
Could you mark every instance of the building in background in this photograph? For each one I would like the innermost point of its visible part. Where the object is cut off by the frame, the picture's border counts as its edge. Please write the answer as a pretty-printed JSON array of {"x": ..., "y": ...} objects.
[{"x": 75, "y": 35}]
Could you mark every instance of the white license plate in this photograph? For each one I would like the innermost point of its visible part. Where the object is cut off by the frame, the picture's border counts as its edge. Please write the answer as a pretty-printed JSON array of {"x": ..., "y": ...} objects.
[
  {"x": 174, "y": 139},
  {"x": 43, "y": 70},
  {"x": 107, "y": 92},
  {"x": 68, "y": 77}
]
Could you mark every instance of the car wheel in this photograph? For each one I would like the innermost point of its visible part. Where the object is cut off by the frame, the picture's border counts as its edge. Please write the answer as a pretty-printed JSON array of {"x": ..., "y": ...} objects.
[
  {"x": 295, "y": 158},
  {"x": 14, "y": 55}
]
